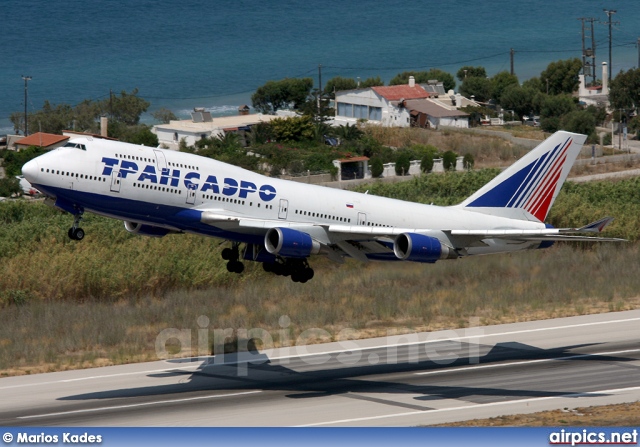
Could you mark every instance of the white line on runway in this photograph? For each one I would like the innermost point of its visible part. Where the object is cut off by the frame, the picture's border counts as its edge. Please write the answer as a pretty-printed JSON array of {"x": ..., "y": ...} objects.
[
  {"x": 524, "y": 362},
  {"x": 467, "y": 407},
  {"x": 120, "y": 407},
  {"x": 319, "y": 353}
]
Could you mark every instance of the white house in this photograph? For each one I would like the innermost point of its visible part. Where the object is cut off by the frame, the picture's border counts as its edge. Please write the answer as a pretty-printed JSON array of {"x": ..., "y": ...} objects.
[
  {"x": 202, "y": 125},
  {"x": 433, "y": 114},
  {"x": 409, "y": 105},
  {"x": 596, "y": 95},
  {"x": 379, "y": 105}
]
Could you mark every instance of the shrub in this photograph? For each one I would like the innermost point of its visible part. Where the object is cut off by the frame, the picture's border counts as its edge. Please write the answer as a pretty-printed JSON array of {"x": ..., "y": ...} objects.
[
  {"x": 426, "y": 164},
  {"x": 377, "y": 167},
  {"x": 9, "y": 186},
  {"x": 468, "y": 161},
  {"x": 403, "y": 163},
  {"x": 449, "y": 160}
]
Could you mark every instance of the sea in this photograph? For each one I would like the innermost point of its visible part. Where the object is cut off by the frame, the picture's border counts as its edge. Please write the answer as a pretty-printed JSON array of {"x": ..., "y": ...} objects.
[{"x": 216, "y": 53}]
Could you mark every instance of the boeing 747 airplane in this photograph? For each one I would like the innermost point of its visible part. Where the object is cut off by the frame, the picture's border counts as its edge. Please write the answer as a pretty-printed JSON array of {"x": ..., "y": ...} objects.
[{"x": 282, "y": 223}]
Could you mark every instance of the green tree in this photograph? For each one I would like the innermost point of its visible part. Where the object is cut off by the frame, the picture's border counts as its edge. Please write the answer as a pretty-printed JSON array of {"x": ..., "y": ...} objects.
[
  {"x": 293, "y": 129},
  {"x": 519, "y": 99},
  {"x": 426, "y": 164},
  {"x": 553, "y": 109},
  {"x": 377, "y": 167},
  {"x": 449, "y": 160},
  {"x": 500, "y": 82},
  {"x": 422, "y": 77},
  {"x": 126, "y": 108},
  {"x": 277, "y": 95},
  {"x": 371, "y": 82},
  {"x": 480, "y": 88},
  {"x": 403, "y": 163},
  {"x": 561, "y": 77},
  {"x": 579, "y": 121},
  {"x": 339, "y": 84},
  {"x": 624, "y": 92},
  {"x": 9, "y": 186},
  {"x": 471, "y": 72},
  {"x": 349, "y": 132},
  {"x": 468, "y": 161},
  {"x": 164, "y": 116}
]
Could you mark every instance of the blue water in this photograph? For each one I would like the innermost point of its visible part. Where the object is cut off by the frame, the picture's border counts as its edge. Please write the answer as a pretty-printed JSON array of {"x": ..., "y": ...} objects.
[{"x": 215, "y": 53}]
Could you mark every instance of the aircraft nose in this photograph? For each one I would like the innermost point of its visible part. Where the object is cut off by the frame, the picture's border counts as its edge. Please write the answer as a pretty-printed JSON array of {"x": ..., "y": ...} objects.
[{"x": 30, "y": 170}]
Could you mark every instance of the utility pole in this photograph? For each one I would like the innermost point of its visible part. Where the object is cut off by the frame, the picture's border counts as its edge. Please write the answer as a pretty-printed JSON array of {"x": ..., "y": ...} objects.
[
  {"x": 319, "y": 88},
  {"x": 26, "y": 121},
  {"x": 638, "y": 45},
  {"x": 588, "y": 67},
  {"x": 511, "y": 54},
  {"x": 609, "y": 13}
]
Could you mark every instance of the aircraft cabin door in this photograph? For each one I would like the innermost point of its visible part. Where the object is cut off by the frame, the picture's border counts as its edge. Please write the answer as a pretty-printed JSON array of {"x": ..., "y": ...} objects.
[
  {"x": 116, "y": 179},
  {"x": 362, "y": 219},
  {"x": 282, "y": 211},
  {"x": 191, "y": 196},
  {"x": 161, "y": 160}
]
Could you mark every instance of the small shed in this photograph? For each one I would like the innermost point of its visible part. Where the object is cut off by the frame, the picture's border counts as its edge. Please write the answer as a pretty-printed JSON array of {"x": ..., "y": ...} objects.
[{"x": 352, "y": 168}]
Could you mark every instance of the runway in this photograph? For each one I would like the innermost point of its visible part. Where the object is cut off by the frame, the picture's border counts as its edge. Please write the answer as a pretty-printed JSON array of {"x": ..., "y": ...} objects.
[{"x": 415, "y": 379}]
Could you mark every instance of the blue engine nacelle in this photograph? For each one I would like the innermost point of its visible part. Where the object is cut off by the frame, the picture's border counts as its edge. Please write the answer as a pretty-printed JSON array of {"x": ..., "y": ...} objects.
[
  {"x": 145, "y": 230},
  {"x": 419, "y": 248},
  {"x": 290, "y": 243}
]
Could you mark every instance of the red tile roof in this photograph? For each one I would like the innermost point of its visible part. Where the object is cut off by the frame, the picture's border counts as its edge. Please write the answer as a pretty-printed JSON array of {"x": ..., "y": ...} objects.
[
  {"x": 41, "y": 139},
  {"x": 397, "y": 92}
]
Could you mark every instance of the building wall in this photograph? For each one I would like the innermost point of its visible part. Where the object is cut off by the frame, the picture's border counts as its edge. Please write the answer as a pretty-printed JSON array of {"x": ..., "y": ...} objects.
[{"x": 390, "y": 116}]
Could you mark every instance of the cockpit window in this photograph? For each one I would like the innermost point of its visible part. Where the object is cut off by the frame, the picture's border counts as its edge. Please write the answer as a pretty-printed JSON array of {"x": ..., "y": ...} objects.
[{"x": 76, "y": 145}]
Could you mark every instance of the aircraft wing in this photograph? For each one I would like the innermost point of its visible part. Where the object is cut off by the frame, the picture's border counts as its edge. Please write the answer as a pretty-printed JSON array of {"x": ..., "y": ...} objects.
[{"x": 358, "y": 241}]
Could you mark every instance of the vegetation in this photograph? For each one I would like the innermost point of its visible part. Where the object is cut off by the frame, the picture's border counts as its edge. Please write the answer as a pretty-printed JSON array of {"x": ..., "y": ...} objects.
[
  {"x": 124, "y": 113},
  {"x": 284, "y": 94},
  {"x": 422, "y": 77},
  {"x": 9, "y": 186}
]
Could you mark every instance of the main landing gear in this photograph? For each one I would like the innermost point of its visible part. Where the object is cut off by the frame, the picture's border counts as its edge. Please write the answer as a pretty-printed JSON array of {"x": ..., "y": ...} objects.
[
  {"x": 298, "y": 269},
  {"x": 233, "y": 255},
  {"x": 75, "y": 232}
]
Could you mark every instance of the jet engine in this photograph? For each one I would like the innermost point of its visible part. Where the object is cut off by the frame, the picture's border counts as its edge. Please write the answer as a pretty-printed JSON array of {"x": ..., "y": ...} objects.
[
  {"x": 290, "y": 243},
  {"x": 420, "y": 248}
]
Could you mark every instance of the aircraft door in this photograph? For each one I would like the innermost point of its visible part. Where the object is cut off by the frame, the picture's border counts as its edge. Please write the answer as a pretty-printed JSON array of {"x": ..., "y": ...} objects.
[
  {"x": 282, "y": 211},
  {"x": 161, "y": 160},
  {"x": 191, "y": 196},
  {"x": 362, "y": 219},
  {"x": 116, "y": 179}
]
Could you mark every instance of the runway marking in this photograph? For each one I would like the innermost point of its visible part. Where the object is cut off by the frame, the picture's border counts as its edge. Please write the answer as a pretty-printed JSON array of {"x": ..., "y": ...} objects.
[
  {"x": 337, "y": 351},
  {"x": 468, "y": 407},
  {"x": 524, "y": 362},
  {"x": 120, "y": 407}
]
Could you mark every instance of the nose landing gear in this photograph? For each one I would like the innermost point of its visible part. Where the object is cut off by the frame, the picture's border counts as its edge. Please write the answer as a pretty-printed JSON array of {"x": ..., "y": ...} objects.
[{"x": 75, "y": 232}]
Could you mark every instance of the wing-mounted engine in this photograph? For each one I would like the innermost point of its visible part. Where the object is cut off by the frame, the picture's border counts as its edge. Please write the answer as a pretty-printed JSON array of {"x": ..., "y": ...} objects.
[
  {"x": 290, "y": 243},
  {"x": 145, "y": 230},
  {"x": 421, "y": 248}
]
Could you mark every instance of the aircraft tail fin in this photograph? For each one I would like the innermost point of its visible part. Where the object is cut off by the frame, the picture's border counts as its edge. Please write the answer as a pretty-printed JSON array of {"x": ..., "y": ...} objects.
[{"x": 527, "y": 189}]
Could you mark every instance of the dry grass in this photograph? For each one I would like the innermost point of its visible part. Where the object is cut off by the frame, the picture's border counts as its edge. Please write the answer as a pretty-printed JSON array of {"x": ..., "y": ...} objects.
[
  {"x": 618, "y": 415},
  {"x": 373, "y": 299}
]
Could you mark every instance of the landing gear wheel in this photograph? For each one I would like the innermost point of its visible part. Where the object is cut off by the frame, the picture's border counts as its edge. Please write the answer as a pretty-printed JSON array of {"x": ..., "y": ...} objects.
[
  {"x": 227, "y": 254},
  {"x": 76, "y": 234},
  {"x": 235, "y": 267}
]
